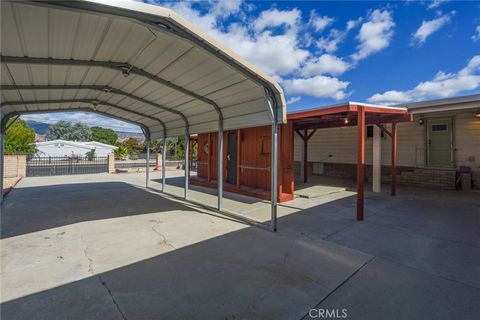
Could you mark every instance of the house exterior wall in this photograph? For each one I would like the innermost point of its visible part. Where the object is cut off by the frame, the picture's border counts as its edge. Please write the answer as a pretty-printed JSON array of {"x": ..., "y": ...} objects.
[
  {"x": 50, "y": 150},
  {"x": 102, "y": 151},
  {"x": 255, "y": 159},
  {"x": 61, "y": 149},
  {"x": 337, "y": 149}
]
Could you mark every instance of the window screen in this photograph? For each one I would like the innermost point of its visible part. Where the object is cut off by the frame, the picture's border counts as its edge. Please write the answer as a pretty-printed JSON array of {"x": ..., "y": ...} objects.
[{"x": 439, "y": 127}]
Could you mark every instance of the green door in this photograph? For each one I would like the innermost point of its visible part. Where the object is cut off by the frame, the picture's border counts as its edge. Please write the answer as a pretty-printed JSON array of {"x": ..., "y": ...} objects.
[{"x": 440, "y": 142}]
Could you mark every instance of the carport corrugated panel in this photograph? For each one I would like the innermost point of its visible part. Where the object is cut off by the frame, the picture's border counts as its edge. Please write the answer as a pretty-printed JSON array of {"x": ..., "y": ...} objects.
[{"x": 62, "y": 33}]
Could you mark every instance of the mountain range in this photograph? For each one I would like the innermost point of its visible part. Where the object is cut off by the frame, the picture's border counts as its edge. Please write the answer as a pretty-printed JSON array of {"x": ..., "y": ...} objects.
[{"x": 41, "y": 129}]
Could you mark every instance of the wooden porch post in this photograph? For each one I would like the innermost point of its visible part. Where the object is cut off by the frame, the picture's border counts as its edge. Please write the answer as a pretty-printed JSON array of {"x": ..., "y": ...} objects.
[
  {"x": 360, "y": 163},
  {"x": 394, "y": 159},
  {"x": 305, "y": 156}
]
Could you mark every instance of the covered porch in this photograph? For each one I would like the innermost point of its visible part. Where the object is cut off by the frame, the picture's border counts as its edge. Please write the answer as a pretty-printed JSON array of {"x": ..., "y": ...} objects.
[{"x": 306, "y": 123}]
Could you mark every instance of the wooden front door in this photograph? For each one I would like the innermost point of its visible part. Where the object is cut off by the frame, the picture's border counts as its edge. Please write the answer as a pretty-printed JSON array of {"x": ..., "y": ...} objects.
[
  {"x": 440, "y": 143},
  {"x": 232, "y": 158}
]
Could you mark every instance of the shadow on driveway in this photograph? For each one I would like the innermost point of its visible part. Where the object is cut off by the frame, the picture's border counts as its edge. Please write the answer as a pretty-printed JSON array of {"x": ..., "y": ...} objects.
[{"x": 388, "y": 266}]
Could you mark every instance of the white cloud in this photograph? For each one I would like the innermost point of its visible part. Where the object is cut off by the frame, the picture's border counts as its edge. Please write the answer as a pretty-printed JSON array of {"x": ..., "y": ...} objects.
[
  {"x": 442, "y": 85},
  {"x": 429, "y": 27},
  {"x": 319, "y": 23},
  {"x": 292, "y": 100},
  {"x": 278, "y": 53},
  {"x": 330, "y": 43},
  {"x": 476, "y": 35},
  {"x": 277, "y": 18},
  {"x": 326, "y": 63},
  {"x": 375, "y": 34},
  {"x": 278, "y": 42},
  {"x": 318, "y": 86},
  {"x": 435, "y": 4}
]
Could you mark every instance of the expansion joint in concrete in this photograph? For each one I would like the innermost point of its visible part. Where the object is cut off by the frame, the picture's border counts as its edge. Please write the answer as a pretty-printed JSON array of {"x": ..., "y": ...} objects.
[
  {"x": 340, "y": 285},
  {"x": 104, "y": 284}
]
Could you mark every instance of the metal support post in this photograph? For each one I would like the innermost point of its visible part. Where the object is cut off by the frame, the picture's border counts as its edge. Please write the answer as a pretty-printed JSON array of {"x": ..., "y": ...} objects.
[
  {"x": 164, "y": 157},
  {"x": 147, "y": 169},
  {"x": 220, "y": 165},
  {"x": 187, "y": 163}
]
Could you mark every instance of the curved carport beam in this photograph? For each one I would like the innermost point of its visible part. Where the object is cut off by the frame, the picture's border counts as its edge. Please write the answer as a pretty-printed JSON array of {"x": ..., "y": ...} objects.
[
  {"x": 124, "y": 67},
  {"x": 93, "y": 102},
  {"x": 127, "y": 69},
  {"x": 104, "y": 89},
  {"x": 107, "y": 89},
  {"x": 6, "y": 117}
]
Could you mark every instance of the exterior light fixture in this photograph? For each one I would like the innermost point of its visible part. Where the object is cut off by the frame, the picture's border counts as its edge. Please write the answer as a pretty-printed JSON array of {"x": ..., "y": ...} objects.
[
  {"x": 126, "y": 71},
  {"x": 477, "y": 115},
  {"x": 420, "y": 121},
  {"x": 345, "y": 121}
]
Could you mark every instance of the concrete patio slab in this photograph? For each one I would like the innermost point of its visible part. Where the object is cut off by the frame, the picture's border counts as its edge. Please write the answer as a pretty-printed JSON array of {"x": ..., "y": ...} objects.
[
  {"x": 104, "y": 247},
  {"x": 386, "y": 290},
  {"x": 316, "y": 191}
]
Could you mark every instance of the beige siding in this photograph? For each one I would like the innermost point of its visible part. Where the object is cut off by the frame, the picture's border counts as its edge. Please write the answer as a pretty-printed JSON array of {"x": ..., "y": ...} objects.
[
  {"x": 341, "y": 143},
  {"x": 467, "y": 140}
]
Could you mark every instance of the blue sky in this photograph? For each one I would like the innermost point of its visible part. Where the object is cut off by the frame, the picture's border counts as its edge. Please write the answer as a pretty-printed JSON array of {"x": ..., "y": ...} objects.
[{"x": 326, "y": 52}]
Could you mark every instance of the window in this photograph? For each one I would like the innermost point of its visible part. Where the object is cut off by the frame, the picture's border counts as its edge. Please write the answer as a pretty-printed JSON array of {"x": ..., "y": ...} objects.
[
  {"x": 439, "y": 127},
  {"x": 370, "y": 132}
]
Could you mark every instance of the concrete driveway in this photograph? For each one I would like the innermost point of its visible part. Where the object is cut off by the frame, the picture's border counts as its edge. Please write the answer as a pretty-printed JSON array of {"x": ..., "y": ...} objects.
[{"x": 103, "y": 247}]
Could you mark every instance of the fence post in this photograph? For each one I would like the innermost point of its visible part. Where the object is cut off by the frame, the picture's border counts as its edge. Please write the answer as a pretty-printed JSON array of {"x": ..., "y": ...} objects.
[
  {"x": 111, "y": 163},
  {"x": 158, "y": 161}
]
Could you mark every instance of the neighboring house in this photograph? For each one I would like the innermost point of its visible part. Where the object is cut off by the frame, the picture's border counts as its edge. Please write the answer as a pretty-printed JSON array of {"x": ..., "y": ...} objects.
[
  {"x": 442, "y": 139},
  {"x": 61, "y": 148},
  {"x": 101, "y": 149}
]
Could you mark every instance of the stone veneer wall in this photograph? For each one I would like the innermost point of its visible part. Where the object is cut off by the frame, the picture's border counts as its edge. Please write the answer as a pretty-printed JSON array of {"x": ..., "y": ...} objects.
[{"x": 439, "y": 178}]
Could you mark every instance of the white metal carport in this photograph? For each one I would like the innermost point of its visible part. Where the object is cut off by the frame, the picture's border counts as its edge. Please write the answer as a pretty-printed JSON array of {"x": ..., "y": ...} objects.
[{"x": 135, "y": 62}]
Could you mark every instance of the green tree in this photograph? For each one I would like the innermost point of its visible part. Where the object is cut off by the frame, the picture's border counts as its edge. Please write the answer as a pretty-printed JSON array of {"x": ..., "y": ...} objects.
[
  {"x": 155, "y": 146},
  {"x": 133, "y": 145},
  {"x": 121, "y": 153},
  {"x": 104, "y": 135},
  {"x": 19, "y": 138},
  {"x": 69, "y": 131},
  {"x": 90, "y": 155},
  {"x": 180, "y": 147}
]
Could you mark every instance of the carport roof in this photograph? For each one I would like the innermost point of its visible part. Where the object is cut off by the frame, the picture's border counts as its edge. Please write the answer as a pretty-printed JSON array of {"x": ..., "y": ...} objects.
[
  {"x": 128, "y": 60},
  {"x": 346, "y": 114}
]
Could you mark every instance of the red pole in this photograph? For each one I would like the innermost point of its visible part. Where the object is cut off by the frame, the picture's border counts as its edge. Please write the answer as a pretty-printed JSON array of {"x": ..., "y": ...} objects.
[
  {"x": 394, "y": 159},
  {"x": 360, "y": 162},
  {"x": 305, "y": 156}
]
